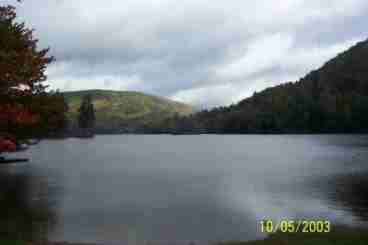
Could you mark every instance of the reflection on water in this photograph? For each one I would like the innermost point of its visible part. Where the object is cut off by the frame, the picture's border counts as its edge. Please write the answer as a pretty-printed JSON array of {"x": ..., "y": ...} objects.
[
  {"x": 25, "y": 211},
  {"x": 351, "y": 192},
  {"x": 141, "y": 189}
]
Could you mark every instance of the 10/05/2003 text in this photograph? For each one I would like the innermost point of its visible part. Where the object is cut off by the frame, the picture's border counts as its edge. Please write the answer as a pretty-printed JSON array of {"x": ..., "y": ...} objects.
[{"x": 294, "y": 226}]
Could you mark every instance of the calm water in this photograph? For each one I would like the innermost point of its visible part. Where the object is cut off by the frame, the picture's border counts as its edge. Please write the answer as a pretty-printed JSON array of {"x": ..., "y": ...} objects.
[{"x": 139, "y": 189}]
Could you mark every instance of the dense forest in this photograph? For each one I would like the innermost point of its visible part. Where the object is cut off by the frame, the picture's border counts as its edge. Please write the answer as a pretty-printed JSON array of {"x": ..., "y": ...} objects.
[{"x": 332, "y": 99}]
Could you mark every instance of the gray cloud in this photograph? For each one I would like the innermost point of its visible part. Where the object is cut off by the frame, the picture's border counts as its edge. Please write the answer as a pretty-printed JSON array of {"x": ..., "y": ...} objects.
[{"x": 202, "y": 52}]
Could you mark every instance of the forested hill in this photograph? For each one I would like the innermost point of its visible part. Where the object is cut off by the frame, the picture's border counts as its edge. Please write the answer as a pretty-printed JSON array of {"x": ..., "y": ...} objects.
[
  {"x": 124, "y": 111},
  {"x": 332, "y": 99}
]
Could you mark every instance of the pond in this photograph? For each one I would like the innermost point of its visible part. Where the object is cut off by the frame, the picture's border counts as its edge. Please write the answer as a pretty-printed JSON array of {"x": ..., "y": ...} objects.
[{"x": 164, "y": 189}]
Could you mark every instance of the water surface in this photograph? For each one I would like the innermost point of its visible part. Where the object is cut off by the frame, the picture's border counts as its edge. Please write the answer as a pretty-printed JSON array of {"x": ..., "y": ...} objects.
[{"x": 163, "y": 189}]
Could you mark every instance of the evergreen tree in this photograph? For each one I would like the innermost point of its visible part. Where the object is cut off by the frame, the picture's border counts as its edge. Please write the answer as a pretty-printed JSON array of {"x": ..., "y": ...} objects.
[{"x": 86, "y": 119}]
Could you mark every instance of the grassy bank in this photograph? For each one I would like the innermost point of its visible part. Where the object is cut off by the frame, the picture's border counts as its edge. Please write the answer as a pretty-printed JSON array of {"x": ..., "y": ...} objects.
[{"x": 11, "y": 242}]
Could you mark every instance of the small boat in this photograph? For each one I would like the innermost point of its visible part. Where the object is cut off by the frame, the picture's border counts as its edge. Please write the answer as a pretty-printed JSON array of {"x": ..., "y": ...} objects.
[
  {"x": 22, "y": 147},
  {"x": 33, "y": 141},
  {"x": 14, "y": 160}
]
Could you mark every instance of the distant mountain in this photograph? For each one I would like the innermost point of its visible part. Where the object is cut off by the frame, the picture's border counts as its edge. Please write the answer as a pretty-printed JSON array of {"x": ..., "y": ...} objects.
[
  {"x": 332, "y": 99},
  {"x": 124, "y": 111}
]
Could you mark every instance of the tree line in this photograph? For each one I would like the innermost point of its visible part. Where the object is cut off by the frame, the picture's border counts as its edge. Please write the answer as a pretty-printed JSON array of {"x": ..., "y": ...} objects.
[{"x": 332, "y": 99}]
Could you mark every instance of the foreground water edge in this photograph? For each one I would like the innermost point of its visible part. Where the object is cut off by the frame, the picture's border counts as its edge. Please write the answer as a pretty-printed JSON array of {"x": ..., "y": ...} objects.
[
  {"x": 171, "y": 190},
  {"x": 339, "y": 236}
]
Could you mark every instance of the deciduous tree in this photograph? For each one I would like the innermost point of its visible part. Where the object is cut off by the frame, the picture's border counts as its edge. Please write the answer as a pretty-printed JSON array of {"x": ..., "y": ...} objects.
[
  {"x": 25, "y": 107},
  {"x": 22, "y": 64}
]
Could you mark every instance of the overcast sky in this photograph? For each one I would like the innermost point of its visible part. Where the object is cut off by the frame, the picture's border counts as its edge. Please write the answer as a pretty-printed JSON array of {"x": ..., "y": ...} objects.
[{"x": 203, "y": 52}]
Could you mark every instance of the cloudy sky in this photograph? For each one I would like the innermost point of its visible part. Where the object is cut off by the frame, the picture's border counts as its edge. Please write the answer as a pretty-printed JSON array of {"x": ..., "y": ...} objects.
[{"x": 203, "y": 52}]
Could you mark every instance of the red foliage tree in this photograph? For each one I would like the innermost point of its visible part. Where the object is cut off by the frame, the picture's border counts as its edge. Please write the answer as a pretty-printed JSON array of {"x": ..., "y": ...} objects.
[
  {"x": 15, "y": 117},
  {"x": 21, "y": 63},
  {"x": 22, "y": 73},
  {"x": 7, "y": 143}
]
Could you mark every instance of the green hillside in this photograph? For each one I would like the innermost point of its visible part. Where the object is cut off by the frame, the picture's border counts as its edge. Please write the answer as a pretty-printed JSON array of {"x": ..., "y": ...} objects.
[
  {"x": 332, "y": 99},
  {"x": 123, "y": 110}
]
